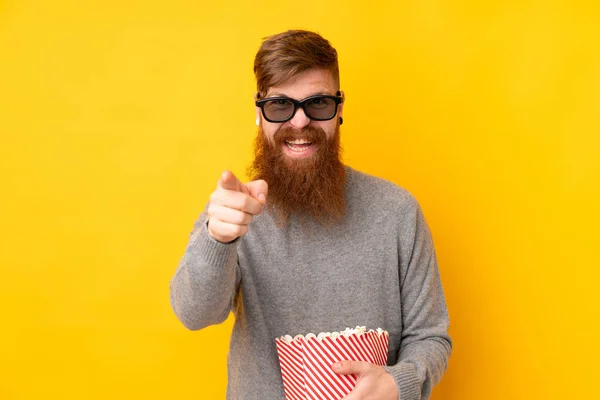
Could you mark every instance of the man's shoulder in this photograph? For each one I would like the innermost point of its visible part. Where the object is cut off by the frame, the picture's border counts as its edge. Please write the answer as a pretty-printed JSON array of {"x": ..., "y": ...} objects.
[{"x": 364, "y": 187}]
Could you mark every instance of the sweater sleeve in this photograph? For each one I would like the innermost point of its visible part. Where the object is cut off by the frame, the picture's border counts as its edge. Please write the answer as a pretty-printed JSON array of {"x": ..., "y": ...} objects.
[
  {"x": 425, "y": 344},
  {"x": 204, "y": 285}
]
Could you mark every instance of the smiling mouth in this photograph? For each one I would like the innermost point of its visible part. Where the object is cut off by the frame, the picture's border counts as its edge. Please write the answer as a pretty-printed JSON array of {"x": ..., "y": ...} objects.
[{"x": 298, "y": 145}]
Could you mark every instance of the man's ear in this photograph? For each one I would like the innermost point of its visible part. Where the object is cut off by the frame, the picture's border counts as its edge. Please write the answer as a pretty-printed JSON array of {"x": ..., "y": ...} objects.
[
  {"x": 341, "y": 106},
  {"x": 257, "y": 110}
]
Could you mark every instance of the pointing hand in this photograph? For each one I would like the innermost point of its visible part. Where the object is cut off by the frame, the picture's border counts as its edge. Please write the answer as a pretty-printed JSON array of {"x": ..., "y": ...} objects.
[{"x": 233, "y": 206}]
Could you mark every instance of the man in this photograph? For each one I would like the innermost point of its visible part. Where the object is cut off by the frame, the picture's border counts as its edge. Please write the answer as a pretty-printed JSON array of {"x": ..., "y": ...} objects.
[{"x": 311, "y": 245}]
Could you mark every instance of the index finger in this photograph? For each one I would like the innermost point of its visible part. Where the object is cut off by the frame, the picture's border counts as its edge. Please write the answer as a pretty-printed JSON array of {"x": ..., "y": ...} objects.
[{"x": 229, "y": 181}]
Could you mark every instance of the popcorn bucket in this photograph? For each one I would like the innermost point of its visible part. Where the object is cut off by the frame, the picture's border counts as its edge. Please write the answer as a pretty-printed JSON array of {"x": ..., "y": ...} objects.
[{"x": 305, "y": 361}]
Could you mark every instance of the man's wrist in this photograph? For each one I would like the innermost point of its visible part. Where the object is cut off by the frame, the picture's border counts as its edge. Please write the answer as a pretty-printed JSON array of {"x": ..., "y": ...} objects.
[{"x": 407, "y": 380}]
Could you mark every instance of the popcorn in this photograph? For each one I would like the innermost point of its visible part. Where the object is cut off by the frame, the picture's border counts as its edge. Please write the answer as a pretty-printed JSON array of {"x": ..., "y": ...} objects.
[{"x": 305, "y": 361}]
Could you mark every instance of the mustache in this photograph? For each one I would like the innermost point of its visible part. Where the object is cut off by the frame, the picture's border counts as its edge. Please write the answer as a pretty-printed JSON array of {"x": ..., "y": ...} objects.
[{"x": 310, "y": 133}]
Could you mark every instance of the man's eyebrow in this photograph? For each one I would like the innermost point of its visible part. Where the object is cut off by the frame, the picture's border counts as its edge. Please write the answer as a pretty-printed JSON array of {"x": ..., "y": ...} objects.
[{"x": 278, "y": 94}]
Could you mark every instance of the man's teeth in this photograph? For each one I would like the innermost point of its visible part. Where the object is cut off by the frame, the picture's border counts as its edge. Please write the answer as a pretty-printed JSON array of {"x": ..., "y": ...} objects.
[
  {"x": 298, "y": 146},
  {"x": 297, "y": 141}
]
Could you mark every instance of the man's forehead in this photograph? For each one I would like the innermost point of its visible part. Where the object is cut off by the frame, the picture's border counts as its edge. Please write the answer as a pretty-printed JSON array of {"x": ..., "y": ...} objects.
[{"x": 306, "y": 84}]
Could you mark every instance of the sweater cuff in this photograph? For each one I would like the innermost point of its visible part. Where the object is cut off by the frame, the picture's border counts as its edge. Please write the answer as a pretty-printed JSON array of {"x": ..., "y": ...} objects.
[
  {"x": 405, "y": 374},
  {"x": 214, "y": 252}
]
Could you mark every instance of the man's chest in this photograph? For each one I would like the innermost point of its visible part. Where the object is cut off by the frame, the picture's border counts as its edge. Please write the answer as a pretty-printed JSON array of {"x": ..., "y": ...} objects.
[{"x": 311, "y": 274}]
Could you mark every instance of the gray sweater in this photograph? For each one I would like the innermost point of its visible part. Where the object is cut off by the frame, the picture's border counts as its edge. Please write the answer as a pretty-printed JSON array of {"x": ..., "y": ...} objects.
[{"x": 376, "y": 269}]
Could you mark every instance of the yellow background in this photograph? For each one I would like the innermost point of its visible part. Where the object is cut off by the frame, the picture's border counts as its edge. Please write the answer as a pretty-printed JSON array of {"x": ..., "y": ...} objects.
[{"x": 117, "y": 117}]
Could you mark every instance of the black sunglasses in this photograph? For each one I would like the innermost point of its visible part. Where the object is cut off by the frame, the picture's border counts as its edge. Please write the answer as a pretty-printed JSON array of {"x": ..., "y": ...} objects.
[{"x": 281, "y": 109}]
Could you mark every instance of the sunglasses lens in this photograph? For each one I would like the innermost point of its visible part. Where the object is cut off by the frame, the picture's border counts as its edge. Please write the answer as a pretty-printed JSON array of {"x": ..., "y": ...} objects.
[
  {"x": 278, "y": 110},
  {"x": 322, "y": 108}
]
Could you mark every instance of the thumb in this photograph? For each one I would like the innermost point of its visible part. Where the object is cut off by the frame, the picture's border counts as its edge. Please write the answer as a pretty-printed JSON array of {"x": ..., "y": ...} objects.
[
  {"x": 259, "y": 190},
  {"x": 229, "y": 181},
  {"x": 347, "y": 367}
]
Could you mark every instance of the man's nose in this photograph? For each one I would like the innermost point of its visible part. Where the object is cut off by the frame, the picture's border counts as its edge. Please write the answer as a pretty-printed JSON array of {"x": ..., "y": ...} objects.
[{"x": 300, "y": 120}]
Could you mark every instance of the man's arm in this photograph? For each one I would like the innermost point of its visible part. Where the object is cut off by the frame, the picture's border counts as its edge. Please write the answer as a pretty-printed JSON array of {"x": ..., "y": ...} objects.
[
  {"x": 206, "y": 279},
  {"x": 426, "y": 344},
  {"x": 208, "y": 275}
]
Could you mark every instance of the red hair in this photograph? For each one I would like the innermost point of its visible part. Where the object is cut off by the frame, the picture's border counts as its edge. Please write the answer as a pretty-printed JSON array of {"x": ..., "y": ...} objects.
[{"x": 283, "y": 56}]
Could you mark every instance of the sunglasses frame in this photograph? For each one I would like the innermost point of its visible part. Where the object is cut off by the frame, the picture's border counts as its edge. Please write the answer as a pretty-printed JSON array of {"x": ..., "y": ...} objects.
[{"x": 338, "y": 99}]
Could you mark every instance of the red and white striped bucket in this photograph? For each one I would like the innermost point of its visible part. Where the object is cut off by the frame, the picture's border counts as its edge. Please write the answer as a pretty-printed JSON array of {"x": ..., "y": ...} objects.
[{"x": 306, "y": 361}]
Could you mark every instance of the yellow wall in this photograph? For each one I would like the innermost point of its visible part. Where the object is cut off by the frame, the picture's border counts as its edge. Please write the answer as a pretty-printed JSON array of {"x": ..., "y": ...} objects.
[{"x": 116, "y": 118}]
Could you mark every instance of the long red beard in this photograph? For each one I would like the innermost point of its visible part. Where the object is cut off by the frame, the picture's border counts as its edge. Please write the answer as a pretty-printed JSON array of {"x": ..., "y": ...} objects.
[{"x": 306, "y": 187}]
